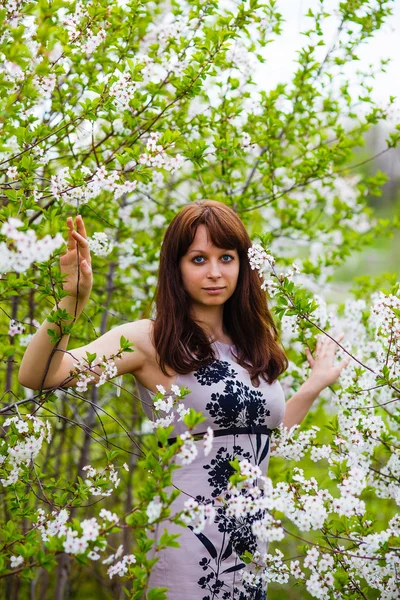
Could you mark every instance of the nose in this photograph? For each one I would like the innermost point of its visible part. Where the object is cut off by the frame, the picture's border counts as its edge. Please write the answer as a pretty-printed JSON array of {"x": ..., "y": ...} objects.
[{"x": 214, "y": 271}]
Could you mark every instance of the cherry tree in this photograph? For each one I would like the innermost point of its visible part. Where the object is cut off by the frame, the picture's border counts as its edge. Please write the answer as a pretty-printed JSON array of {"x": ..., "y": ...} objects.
[{"x": 124, "y": 112}]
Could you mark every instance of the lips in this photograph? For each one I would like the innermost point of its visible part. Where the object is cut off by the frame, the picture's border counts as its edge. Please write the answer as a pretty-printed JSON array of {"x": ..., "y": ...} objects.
[{"x": 214, "y": 288}]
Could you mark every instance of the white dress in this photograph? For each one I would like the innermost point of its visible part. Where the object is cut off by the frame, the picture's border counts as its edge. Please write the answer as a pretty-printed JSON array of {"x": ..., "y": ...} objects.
[{"x": 207, "y": 566}]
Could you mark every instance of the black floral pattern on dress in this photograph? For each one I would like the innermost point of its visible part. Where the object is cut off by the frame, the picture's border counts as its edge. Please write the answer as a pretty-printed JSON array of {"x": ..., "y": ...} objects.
[
  {"x": 239, "y": 530},
  {"x": 215, "y": 372},
  {"x": 203, "y": 500},
  {"x": 237, "y": 538},
  {"x": 252, "y": 593},
  {"x": 235, "y": 404},
  {"x": 215, "y": 567},
  {"x": 219, "y": 471},
  {"x": 215, "y": 585},
  {"x": 238, "y": 406},
  {"x": 220, "y": 468}
]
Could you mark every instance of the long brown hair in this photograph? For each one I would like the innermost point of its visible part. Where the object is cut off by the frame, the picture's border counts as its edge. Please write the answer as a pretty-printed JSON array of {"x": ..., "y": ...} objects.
[{"x": 182, "y": 344}]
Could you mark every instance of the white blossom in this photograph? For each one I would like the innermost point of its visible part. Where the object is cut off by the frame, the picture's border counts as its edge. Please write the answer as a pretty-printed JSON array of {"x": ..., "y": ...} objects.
[
  {"x": 208, "y": 441},
  {"x": 188, "y": 451},
  {"x": 154, "y": 509},
  {"x": 99, "y": 244},
  {"x": 16, "y": 561},
  {"x": 26, "y": 248},
  {"x": 121, "y": 568},
  {"x": 196, "y": 514}
]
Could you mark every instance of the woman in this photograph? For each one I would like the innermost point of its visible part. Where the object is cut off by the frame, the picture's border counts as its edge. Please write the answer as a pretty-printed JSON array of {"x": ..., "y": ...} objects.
[{"x": 212, "y": 333}]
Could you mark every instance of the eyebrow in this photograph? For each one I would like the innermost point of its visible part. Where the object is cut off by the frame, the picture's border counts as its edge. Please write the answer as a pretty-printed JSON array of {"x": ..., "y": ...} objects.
[{"x": 205, "y": 251}]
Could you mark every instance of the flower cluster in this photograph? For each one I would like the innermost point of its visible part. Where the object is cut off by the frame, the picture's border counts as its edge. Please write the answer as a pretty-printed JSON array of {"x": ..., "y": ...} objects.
[
  {"x": 61, "y": 185},
  {"x": 25, "y": 436},
  {"x": 12, "y": 173},
  {"x": 22, "y": 248},
  {"x": 99, "y": 244},
  {"x": 268, "y": 529},
  {"x": 98, "y": 481},
  {"x": 45, "y": 85},
  {"x": 121, "y": 189},
  {"x": 123, "y": 90},
  {"x": 246, "y": 139},
  {"x": 196, "y": 515},
  {"x": 16, "y": 561},
  {"x": 86, "y": 372},
  {"x": 52, "y": 525},
  {"x": 121, "y": 567},
  {"x": 188, "y": 451},
  {"x": 259, "y": 259},
  {"x": 15, "y": 328},
  {"x": 265, "y": 568},
  {"x": 264, "y": 263},
  {"x": 165, "y": 403},
  {"x": 93, "y": 41},
  {"x": 157, "y": 156},
  {"x": 71, "y": 23},
  {"x": 249, "y": 473},
  {"x": 78, "y": 544},
  {"x": 387, "y": 321},
  {"x": 154, "y": 509},
  {"x": 319, "y": 452},
  {"x": 85, "y": 540},
  {"x": 292, "y": 443},
  {"x": 320, "y": 583},
  {"x": 80, "y": 33},
  {"x": 208, "y": 441},
  {"x": 249, "y": 499}
]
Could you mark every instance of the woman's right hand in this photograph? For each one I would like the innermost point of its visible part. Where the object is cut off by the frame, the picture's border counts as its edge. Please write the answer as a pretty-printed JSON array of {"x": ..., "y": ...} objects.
[{"x": 69, "y": 261}]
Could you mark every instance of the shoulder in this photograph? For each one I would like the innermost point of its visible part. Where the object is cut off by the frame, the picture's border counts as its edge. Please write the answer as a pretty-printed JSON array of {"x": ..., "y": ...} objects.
[{"x": 141, "y": 335}]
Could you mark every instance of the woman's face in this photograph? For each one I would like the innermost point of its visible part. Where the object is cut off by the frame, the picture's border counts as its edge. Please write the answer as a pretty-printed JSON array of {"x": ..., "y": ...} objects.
[{"x": 209, "y": 273}]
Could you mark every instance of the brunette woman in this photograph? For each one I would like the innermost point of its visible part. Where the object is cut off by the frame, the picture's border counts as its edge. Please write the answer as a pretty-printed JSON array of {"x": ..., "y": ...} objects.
[{"x": 213, "y": 333}]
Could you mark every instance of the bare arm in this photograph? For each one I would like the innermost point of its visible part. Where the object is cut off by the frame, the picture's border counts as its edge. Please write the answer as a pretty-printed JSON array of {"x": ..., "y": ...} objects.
[
  {"x": 300, "y": 403},
  {"x": 31, "y": 371},
  {"x": 45, "y": 365},
  {"x": 40, "y": 349}
]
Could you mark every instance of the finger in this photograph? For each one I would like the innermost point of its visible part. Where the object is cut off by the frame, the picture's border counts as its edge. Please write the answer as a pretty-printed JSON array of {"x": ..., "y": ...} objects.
[
  {"x": 80, "y": 226},
  {"x": 322, "y": 344},
  {"x": 71, "y": 242},
  {"x": 339, "y": 339},
  {"x": 83, "y": 245},
  {"x": 85, "y": 266},
  {"x": 309, "y": 357},
  {"x": 332, "y": 345},
  {"x": 344, "y": 363}
]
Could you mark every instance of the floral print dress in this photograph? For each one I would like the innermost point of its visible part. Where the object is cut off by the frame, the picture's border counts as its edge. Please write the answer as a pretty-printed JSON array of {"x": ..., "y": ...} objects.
[{"x": 207, "y": 566}]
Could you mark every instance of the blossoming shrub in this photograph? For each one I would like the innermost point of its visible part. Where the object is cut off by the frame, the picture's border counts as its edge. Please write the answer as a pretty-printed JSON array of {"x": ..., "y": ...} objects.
[{"x": 124, "y": 111}]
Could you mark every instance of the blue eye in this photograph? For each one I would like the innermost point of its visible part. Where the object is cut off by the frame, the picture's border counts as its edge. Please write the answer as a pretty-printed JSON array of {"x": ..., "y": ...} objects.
[
  {"x": 223, "y": 256},
  {"x": 195, "y": 258}
]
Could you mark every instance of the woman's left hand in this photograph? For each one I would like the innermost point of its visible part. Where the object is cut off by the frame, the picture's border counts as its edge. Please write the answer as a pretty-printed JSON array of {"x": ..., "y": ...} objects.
[{"x": 322, "y": 368}]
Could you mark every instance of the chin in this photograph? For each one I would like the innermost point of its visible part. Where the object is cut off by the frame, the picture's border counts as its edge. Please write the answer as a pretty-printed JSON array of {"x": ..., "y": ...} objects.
[{"x": 219, "y": 299}]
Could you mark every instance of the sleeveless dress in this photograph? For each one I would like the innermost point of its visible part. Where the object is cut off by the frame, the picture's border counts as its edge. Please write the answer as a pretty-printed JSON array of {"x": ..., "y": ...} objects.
[{"x": 207, "y": 566}]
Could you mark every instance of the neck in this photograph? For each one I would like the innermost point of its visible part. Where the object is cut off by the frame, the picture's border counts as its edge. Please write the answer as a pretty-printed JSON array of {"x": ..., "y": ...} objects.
[{"x": 209, "y": 318}]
